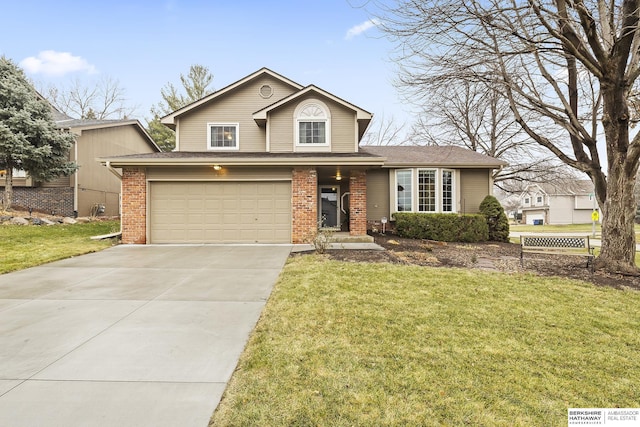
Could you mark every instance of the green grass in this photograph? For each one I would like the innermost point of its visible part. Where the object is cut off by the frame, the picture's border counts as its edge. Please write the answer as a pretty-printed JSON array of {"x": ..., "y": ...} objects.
[
  {"x": 28, "y": 246},
  {"x": 355, "y": 344},
  {"x": 568, "y": 228}
]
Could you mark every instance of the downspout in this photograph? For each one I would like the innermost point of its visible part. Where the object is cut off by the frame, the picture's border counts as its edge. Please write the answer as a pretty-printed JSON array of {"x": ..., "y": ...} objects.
[
  {"x": 119, "y": 176},
  {"x": 75, "y": 178}
]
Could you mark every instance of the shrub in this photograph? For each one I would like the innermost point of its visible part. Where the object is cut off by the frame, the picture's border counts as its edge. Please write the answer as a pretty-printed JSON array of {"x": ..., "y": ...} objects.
[
  {"x": 497, "y": 221},
  {"x": 442, "y": 227}
]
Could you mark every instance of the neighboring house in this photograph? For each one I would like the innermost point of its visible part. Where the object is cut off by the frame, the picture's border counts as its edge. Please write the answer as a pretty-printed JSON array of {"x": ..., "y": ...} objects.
[
  {"x": 92, "y": 187},
  {"x": 568, "y": 202},
  {"x": 268, "y": 160}
]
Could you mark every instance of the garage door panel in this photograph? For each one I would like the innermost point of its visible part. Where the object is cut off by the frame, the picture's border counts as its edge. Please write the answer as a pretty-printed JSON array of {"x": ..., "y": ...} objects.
[{"x": 218, "y": 212}]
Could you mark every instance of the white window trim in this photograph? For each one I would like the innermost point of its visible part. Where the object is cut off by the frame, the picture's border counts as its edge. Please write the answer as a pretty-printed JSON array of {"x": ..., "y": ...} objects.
[
  {"x": 454, "y": 191},
  {"x": 415, "y": 192},
  {"x": 216, "y": 124},
  {"x": 438, "y": 204},
  {"x": 395, "y": 189},
  {"x": 327, "y": 127}
]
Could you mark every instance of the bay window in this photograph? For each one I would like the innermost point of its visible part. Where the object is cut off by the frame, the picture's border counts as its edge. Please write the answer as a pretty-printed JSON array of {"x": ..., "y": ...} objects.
[
  {"x": 404, "y": 180},
  {"x": 425, "y": 190}
]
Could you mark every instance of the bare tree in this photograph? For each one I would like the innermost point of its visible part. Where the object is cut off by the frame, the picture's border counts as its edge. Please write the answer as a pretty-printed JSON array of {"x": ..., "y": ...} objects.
[
  {"x": 384, "y": 131},
  {"x": 566, "y": 68},
  {"x": 103, "y": 100},
  {"x": 474, "y": 116}
]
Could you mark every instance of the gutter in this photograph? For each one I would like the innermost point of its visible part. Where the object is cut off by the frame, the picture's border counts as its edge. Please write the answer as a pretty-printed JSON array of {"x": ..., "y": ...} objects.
[
  {"x": 119, "y": 176},
  {"x": 112, "y": 170},
  {"x": 246, "y": 162}
]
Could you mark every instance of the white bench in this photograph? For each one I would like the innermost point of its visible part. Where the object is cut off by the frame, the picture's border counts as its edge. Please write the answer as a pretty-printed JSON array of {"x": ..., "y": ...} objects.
[{"x": 556, "y": 244}]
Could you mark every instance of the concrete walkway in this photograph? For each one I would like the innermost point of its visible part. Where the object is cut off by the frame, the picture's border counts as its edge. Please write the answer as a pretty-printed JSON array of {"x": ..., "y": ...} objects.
[{"x": 130, "y": 336}]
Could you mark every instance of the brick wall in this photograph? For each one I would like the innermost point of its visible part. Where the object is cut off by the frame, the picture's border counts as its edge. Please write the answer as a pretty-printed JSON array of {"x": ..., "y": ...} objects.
[
  {"x": 358, "y": 203},
  {"x": 134, "y": 205},
  {"x": 304, "y": 204},
  {"x": 53, "y": 201}
]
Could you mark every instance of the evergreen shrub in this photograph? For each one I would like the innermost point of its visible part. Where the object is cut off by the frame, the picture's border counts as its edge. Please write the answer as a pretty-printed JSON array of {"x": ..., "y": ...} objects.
[
  {"x": 497, "y": 221},
  {"x": 442, "y": 227}
]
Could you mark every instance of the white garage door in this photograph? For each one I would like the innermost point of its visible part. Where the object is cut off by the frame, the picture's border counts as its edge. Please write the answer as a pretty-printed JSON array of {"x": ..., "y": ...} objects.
[
  {"x": 532, "y": 218},
  {"x": 220, "y": 212}
]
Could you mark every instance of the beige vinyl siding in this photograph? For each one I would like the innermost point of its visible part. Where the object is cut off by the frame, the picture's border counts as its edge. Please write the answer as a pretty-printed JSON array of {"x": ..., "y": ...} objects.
[
  {"x": 205, "y": 173},
  {"x": 282, "y": 127},
  {"x": 474, "y": 187},
  {"x": 96, "y": 184},
  {"x": 236, "y": 106},
  {"x": 378, "y": 200},
  {"x": 62, "y": 181},
  {"x": 561, "y": 209}
]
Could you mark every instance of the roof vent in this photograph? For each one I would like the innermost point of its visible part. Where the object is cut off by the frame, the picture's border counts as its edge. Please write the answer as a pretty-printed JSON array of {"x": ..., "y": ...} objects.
[{"x": 266, "y": 91}]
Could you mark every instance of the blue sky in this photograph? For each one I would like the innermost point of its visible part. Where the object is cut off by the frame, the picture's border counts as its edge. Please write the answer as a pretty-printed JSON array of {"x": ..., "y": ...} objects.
[{"x": 145, "y": 44}]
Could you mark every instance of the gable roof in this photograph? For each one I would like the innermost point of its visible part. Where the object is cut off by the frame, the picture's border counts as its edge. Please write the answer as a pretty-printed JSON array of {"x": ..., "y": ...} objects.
[
  {"x": 362, "y": 116},
  {"x": 169, "y": 119},
  {"x": 79, "y": 125},
  {"x": 566, "y": 187},
  {"x": 361, "y": 113},
  {"x": 432, "y": 155}
]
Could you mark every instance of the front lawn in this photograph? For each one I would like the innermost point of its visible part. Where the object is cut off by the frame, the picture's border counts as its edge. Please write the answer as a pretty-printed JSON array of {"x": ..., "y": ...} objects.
[
  {"x": 27, "y": 246},
  {"x": 358, "y": 344}
]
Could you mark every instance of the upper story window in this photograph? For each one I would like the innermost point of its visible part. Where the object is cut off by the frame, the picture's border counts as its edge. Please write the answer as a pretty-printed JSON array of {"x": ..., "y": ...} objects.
[
  {"x": 539, "y": 199},
  {"x": 312, "y": 124},
  {"x": 527, "y": 201},
  {"x": 223, "y": 136}
]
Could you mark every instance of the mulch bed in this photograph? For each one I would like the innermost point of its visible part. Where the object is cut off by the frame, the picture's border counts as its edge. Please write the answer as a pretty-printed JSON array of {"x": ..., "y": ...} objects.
[{"x": 504, "y": 257}]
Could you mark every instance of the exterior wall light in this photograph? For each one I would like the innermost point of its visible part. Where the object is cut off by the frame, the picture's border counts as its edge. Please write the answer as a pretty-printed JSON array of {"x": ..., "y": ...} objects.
[{"x": 217, "y": 167}]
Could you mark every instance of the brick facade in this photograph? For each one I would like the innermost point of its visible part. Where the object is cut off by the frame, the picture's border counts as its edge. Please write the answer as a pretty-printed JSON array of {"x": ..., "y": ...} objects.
[
  {"x": 134, "y": 205},
  {"x": 53, "y": 201},
  {"x": 304, "y": 204},
  {"x": 358, "y": 203}
]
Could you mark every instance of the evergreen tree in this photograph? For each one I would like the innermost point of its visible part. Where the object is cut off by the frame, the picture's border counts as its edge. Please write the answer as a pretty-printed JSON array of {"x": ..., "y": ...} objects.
[
  {"x": 196, "y": 85},
  {"x": 29, "y": 138},
  {"x": 496, "y": 219}
]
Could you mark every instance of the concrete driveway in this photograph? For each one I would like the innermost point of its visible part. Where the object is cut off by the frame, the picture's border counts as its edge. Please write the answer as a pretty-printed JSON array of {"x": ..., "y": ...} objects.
[{"x": 130, "y": 336}]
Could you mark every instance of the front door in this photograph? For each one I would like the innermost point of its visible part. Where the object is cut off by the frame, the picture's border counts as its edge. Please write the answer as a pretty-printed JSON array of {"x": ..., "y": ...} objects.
[{"x": 329, "y": 210}]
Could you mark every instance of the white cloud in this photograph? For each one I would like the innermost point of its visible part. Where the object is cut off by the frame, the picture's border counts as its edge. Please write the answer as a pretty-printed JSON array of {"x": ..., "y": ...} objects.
[
  {"x": 52, "y": 63},
  {"x": 356, "y": 30}
]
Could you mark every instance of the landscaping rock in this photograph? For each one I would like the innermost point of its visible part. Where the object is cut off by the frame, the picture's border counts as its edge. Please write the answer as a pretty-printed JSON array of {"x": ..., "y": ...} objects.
[
  {"x": 68, "y": 220},
  {"x": 36, "y": 221},
  {"x": 45, "y": 221},
  {"x": 4, "y": 218},
  {"x": 83, "y": 219},
  {"x": 18, "y": 221}
]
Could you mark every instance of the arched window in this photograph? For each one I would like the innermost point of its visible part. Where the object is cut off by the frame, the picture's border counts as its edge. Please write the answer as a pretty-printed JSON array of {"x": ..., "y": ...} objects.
[{"x": 312, "y": 124}]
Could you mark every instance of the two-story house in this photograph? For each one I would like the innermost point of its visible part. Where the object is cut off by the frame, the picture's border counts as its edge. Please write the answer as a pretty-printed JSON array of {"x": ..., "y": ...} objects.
[
  {"x": 92, "y": 189},
  {"x": 568, "y": 202},
  {"x": 268, "y": 160}
]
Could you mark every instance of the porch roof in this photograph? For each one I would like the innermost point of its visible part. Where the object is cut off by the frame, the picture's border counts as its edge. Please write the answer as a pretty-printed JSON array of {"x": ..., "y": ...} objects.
[{"x": 235, "y": 158}]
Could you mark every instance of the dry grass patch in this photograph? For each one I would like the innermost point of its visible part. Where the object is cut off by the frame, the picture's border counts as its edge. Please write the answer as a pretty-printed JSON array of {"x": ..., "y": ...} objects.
[{"x": 356, "y": 344}]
